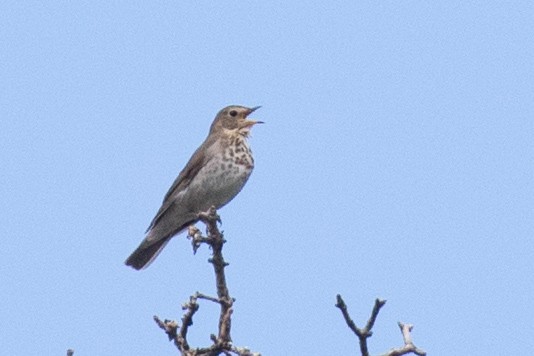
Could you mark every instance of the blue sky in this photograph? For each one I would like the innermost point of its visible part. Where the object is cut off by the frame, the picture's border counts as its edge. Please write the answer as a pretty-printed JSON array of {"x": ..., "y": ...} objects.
[{"x": 396, "y": 162}]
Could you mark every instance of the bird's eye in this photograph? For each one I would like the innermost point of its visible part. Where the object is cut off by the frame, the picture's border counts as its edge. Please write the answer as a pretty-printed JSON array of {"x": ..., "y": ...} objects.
[{"x": 233, "y": 113}]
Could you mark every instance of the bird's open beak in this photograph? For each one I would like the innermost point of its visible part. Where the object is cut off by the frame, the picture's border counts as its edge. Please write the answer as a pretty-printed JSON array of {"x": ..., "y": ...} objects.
[
  {"x": 251, "y": 110},
  {"x": 250, "y": 123}
]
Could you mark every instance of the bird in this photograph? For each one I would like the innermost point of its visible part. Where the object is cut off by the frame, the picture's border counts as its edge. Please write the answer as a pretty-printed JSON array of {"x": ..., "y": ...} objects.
[{"x": 213, "y": 176}]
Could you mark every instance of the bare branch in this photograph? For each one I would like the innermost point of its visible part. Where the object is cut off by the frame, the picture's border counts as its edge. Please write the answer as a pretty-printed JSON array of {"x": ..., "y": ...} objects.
[
  {"x": 408, "y": 343},
  {"x": 207, "y": 297},
  {"x": 365, "y": 333},
  {"x": 216, "y": 241},
  {"x": 222, "y": 342}
]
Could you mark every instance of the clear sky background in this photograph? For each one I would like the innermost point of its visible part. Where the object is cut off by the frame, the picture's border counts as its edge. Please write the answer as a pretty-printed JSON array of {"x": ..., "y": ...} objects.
[{"x": 396, "y": 162}]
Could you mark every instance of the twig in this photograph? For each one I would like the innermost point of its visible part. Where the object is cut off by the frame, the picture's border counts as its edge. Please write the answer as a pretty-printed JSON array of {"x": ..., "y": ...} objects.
[
  {"x": 365, "y": 333},
  {"x": 408, "y": 343},
  {"x": 222, "y": 343},
  {"x": 216, "y": 241}
]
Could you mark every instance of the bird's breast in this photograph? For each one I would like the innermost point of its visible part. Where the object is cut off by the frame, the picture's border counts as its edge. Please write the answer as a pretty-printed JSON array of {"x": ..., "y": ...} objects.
[{"x": 224, "y": 175}]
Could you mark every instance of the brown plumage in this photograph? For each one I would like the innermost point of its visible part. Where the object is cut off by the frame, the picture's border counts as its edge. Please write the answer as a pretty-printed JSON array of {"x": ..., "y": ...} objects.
[{"x": 214, "y": 175}]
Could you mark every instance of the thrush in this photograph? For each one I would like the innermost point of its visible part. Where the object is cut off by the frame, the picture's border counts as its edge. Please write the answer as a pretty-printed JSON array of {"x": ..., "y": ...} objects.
[{"x": 214, "y": 175}]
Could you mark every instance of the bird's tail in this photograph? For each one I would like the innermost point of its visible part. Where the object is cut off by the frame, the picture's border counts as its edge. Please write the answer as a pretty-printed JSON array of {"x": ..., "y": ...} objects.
[{"x": 147, "y": 251}]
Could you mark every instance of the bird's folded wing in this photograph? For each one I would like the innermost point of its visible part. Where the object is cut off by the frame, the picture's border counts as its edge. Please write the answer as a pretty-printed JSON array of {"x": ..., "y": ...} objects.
[{"x": 196, "y": 162}]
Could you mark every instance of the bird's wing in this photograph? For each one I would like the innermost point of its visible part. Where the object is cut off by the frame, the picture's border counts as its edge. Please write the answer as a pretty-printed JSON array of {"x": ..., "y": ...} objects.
[{"x": 196, "y": 162}]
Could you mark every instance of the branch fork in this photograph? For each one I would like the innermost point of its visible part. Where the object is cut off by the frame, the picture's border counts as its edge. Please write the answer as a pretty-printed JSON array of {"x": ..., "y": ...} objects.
[{"x": 365, "y": 333}]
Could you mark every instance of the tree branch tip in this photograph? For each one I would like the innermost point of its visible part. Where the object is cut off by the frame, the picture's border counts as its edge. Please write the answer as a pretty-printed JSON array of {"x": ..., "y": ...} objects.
[
  {"x": 192, "y": 230},
  {"x": 340, "y": 303},
  {"x": 210, "y": 216},
  {"x": 158, "y": 320},
  {"x": 402, "y": 325}
]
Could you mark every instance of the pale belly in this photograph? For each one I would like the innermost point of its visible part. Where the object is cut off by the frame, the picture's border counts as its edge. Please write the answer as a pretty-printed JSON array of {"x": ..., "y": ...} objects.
[{"x": 223, "y": 178}]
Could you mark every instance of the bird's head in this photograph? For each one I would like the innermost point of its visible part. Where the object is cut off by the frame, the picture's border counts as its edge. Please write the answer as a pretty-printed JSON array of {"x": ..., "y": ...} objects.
[{"x": 234, "y": 117}]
